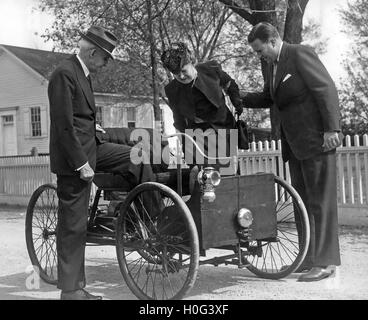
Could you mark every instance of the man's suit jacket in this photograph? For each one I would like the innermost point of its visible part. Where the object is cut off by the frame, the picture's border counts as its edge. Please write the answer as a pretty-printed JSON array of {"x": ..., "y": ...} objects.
[
  {"x": 211, "y": 80},
  {"x": 306, "y": 98},
  {"x": 72, "y": 115}
]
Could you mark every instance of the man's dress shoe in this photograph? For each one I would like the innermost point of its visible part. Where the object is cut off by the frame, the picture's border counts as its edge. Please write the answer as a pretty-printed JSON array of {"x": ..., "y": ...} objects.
[
  {"x": 80, "y": 294},
  {"x": 315, "y": 274}
]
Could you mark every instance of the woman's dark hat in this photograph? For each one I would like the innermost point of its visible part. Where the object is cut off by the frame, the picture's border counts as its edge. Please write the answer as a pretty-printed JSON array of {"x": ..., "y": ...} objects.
[
  {"x": 102, "y": 38},
  {"x": 175, "y": 57}
]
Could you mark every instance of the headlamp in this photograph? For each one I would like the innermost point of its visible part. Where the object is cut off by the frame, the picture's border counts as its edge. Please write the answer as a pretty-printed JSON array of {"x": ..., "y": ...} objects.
[
  {"x": 209, "y": 178},
  {"x": 245, "y": 218}
]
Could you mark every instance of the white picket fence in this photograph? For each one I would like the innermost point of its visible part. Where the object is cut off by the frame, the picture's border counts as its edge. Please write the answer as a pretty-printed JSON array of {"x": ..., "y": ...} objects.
[
  {"x": 21, "y": 175},
  {"x": 352, "y": 167}
]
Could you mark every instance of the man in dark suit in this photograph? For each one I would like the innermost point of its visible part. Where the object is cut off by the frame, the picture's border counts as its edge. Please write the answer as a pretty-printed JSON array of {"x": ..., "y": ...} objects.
[
  {"x": 299, "y": 86},
  {"x": 196, "y": 94},
  {"x": 76, "y": 152}
]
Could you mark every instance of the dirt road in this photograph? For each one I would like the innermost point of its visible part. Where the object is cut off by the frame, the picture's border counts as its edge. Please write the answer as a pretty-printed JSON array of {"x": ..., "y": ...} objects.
[{"x": 213, "y": 283}]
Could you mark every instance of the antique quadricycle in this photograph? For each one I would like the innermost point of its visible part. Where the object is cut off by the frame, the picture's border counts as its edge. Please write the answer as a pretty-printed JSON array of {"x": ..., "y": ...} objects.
[{"x": 259, "y": 221}]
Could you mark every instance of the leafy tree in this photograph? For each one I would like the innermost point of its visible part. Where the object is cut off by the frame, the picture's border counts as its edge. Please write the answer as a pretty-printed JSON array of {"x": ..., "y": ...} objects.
[
  {"x": 354, "y": 87},
  {"x": 212, "y": 29}
]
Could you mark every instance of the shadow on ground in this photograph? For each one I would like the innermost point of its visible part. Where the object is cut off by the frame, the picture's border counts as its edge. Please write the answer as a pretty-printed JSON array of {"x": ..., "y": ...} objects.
[{"x": 104, "y": 278}]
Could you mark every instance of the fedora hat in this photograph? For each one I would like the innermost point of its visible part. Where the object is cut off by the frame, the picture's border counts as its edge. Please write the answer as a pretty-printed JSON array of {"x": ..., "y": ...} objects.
[{"x": 102, "y": 38}]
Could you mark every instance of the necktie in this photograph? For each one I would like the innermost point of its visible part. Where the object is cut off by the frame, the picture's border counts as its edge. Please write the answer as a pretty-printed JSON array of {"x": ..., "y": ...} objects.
[
  {"x": 90, "y": 82},
  {"x": 274, "y": 75}
]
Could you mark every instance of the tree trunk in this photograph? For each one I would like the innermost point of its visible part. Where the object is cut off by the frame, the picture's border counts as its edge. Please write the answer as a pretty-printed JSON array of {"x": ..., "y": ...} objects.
[
  {"x": 155, "y": 87},
  {"x": 263, "y": 11},
  {"x": 294, "y": 21},
  {"x": 268, "y": 16}
]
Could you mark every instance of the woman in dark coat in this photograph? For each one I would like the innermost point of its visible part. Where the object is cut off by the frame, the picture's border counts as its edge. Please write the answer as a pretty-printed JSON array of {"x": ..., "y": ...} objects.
[{"x": 196, "y": 97}]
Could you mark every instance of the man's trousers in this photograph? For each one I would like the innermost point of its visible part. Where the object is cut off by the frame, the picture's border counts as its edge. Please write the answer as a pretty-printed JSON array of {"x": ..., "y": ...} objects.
[{"x": 316, "y": 182}]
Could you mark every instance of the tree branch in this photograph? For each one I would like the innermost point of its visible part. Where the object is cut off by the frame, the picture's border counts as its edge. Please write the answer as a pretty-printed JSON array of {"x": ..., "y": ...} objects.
[
  {"x": 217, "y": 32},
  {"x": 159, "y": 14},
  {"x": 239, "y": 10}
]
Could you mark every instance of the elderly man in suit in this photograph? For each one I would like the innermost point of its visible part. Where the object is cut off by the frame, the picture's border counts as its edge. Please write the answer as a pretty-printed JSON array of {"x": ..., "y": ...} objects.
[
  {"x": 76, "y": 152},
  {"x": 299, "y": 86},
  {"x": 196, "y": 95}
]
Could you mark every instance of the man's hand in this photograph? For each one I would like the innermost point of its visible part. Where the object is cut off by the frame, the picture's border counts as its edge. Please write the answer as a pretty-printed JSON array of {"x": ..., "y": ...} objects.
[
  {"x": 99, "y": 128},
  {"x": 331, "y": 141},
  {"x": 86, "y": 173}
]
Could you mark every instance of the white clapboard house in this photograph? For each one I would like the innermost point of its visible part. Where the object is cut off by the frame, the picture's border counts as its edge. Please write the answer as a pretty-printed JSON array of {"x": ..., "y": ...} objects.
[{"x": 24, "y": 107}]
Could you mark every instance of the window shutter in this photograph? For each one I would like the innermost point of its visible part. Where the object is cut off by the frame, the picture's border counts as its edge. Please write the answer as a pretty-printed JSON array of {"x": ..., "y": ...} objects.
[
  {"x": 27, "y": 123},
  {"x": 44, "y": 126}
]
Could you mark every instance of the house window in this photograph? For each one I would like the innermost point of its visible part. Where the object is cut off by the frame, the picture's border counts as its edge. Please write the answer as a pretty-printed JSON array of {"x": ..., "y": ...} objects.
[
  {"x": 131, "y": 117},
  {"x": 8, "y": 120},
  {"x": 36, "y": 122}
]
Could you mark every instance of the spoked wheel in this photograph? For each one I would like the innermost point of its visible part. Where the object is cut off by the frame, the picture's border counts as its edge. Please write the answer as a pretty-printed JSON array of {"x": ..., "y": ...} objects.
[
  {"x": 157, "y": 243},
  {"x": 277, "y": 258},
  {"x": 41, "y": 221}
]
